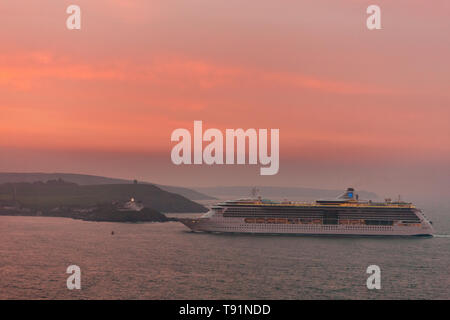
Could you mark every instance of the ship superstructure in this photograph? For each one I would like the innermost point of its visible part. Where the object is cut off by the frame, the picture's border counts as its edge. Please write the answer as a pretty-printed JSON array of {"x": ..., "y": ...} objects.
[{"x": 345, "y": 215}]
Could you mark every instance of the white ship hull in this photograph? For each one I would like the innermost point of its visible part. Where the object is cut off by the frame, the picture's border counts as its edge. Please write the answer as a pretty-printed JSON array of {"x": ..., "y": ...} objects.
[
  {"x": 238, "y": 225},
  {"x": 343, "y": 216}
]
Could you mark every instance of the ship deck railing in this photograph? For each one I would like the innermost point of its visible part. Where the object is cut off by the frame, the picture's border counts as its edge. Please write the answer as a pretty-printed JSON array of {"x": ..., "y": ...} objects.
[{"x": 313, "y": 204}]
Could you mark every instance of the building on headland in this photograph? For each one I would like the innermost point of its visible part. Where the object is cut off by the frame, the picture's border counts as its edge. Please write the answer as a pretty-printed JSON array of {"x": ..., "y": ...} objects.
[{"x": 132, "y": 205}]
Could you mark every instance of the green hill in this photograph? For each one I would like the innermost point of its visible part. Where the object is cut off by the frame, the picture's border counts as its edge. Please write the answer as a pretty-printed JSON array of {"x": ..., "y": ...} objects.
[
  {"x": 56, "y": 193},
  {"x": 84, "y": 179}
]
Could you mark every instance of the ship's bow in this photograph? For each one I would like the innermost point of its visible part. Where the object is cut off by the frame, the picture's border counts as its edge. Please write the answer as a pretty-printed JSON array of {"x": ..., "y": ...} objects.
[{"x": 195, "y": 224}]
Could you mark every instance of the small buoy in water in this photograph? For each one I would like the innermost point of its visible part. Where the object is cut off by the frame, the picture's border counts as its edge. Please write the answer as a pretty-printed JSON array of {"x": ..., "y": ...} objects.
[{"x": 112, "y": 233}]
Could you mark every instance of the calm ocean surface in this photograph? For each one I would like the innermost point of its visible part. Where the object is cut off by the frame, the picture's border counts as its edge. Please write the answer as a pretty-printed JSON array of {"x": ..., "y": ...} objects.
[{"x": 165, "y": 261}]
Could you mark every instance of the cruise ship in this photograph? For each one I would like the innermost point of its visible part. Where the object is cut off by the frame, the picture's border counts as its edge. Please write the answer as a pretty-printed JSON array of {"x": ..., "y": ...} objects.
[{"x": 345, "y": 215}]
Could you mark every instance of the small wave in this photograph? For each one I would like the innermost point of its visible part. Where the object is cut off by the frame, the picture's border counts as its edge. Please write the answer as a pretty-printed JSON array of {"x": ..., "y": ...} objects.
[{"x": 442, "y": 235}]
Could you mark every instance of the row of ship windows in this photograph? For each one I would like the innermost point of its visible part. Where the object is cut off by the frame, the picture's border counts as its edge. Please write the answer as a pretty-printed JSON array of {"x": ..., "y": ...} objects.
[
  {"x": 247, "y": 227},
  {"x": 315, "y": 227},
  {"x": 277, "y": 210},
  {"x": 307, "y": 215},
  {"x": 340, "y": 217},
  {"x": 321, "y": 222}
]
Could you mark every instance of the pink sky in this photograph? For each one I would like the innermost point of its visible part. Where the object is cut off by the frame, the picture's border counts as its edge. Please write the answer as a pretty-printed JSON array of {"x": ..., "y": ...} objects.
[{"x": 368, "y": 108}]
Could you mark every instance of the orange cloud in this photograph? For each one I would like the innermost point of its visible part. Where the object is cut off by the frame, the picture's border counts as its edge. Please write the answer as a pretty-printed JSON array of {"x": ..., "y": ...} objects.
[
  {"x": 173, "y": 90},
  {"x": 24, "y": 70}
]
